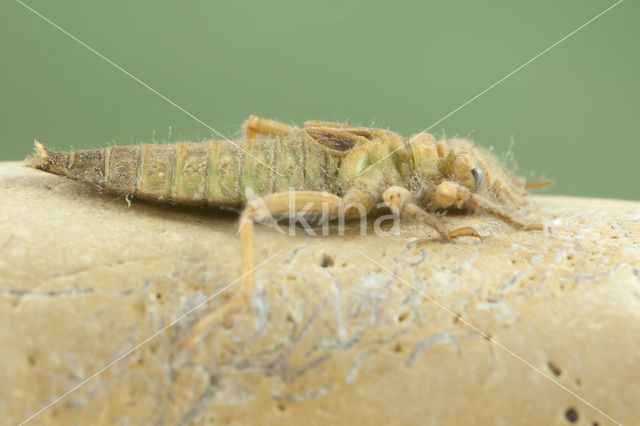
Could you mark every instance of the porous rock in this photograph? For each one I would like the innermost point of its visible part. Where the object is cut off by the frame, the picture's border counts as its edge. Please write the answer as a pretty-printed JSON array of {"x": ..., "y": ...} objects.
[{"x": 517, "y": 328}]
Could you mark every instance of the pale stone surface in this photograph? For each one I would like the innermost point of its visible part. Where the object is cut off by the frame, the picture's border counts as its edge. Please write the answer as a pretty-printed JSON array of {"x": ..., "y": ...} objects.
[{"x": 84, "y": 278}]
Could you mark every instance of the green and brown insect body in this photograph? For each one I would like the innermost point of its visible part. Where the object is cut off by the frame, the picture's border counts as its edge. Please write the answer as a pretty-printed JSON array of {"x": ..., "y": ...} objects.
[
  {"x": 330, "y": 168},
  {"x": 214, "y": 173},
  {"x": 358, "y": 163}
]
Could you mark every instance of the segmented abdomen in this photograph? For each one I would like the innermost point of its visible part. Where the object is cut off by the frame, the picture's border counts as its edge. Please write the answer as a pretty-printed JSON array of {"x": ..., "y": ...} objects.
[{"x": 216, "y": 173}]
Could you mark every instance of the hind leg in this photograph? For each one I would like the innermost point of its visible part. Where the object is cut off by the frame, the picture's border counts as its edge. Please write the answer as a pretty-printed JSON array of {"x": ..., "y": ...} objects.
[
  {"x": 266, "y": 207},
  {"x": 369, "y": 133},
  {"x": 256, "y": 126},
  {"x": 353, "y": 205}
]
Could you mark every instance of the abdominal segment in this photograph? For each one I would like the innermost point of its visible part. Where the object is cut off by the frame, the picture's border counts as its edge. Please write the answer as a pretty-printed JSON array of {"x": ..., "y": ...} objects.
[{"x": 216, "y": 173}]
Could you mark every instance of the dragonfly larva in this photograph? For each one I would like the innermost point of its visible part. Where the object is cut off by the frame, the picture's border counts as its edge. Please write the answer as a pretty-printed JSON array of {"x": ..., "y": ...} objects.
[{"x": 330, "y": 168}]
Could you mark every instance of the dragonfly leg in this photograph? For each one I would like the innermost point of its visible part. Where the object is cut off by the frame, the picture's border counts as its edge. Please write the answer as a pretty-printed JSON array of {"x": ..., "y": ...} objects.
[
  {"x": 451, "y": 194},
  {"x": 256, "y": 126},
  {"x": 354, "y": 204},
  {"x": 402, "y": 200}
]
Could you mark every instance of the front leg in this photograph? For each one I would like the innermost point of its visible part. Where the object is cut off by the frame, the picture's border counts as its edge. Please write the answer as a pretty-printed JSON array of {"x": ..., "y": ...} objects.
[
  {"x": 451, "y": 194},
  {"x": 402, "y": 199}
]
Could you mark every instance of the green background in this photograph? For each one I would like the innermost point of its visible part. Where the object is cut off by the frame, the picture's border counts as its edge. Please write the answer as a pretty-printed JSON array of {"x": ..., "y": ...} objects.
[{"x": 571, "y": 115}]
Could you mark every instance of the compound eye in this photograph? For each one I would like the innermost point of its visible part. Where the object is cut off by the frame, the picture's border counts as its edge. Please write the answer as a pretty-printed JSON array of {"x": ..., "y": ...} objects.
[{"x": 478, "y": 178}]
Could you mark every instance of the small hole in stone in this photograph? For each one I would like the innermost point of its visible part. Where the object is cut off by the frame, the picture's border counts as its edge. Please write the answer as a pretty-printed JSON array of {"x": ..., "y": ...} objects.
[
  {"x": 31, "y": 359},
  {"x": 571, "y": 414},
  {"x": 326, "y": 261},
  {"x": 403, "y": 316},
  {"x": 554, "y": 368},
  {"x": 158, "y": 296},
  {"x": 281, "y": 407},
  {"x": 578, "y": 382},
  {"x": 397, "y": 347}
]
